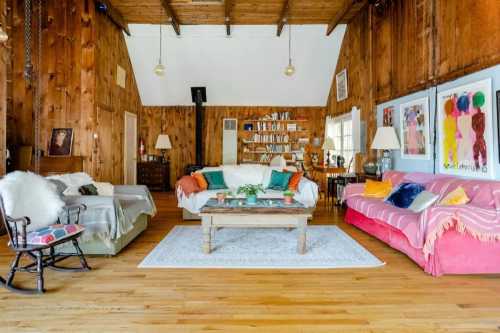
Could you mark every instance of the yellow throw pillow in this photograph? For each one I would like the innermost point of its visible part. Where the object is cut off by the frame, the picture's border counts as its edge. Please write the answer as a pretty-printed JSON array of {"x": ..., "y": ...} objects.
[
  {"x": 455, "y": 197},
  {"x": 379, "y": 190}
]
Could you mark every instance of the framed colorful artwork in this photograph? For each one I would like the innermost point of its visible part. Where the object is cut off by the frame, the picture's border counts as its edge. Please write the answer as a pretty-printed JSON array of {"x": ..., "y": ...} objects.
[
  {"x": 465, "y": 130},
  {"x": 388, "y": 116},
  {"x": 341, "y": 81},
  {"x": 61, "y": 142},
  {"x": 414, "y": 129}
]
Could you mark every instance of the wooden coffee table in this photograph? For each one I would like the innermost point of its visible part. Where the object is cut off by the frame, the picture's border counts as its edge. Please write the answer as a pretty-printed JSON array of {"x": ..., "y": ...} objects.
[{"x": 267, "y": 213}]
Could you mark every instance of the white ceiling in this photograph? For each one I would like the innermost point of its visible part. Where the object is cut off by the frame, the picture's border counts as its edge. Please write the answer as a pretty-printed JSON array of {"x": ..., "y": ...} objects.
[{"x": 245, "y": 69}]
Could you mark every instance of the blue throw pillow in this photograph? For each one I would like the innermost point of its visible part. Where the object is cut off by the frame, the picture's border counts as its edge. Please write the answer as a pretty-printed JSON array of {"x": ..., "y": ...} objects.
[
  {"x": 215, "y": 180},
  {"x": 404, "y": 194},
  {"x": 279, "y": 180}
]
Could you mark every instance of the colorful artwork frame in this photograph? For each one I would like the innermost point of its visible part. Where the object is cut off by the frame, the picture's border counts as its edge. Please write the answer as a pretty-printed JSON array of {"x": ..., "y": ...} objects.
[
  {"x": 414, "y": 132},
  {"x": 466, "y": 145},
  {"x": 388, "y": 116},
  {"x": 341, "y": 84}
]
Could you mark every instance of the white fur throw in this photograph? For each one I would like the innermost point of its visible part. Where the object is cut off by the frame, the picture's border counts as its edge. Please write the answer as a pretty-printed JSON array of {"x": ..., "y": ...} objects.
[{"x": 28, "y": 194}]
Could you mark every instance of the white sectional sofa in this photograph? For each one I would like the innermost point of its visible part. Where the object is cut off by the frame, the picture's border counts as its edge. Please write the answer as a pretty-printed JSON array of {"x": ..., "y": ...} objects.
[{"x": 237, "y": 175}]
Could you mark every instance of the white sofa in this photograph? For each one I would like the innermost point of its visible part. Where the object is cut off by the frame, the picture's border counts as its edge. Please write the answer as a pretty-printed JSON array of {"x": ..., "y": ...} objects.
[{"x": 237, "y": 175}]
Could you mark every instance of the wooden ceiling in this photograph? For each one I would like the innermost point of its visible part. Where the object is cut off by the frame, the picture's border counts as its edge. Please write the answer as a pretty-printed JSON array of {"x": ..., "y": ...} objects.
[{"x": 192, "y": 12}]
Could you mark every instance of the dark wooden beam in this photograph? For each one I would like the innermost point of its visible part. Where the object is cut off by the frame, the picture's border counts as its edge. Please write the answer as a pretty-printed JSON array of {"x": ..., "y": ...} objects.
[
  {"x": 342, "y": 13},
  {"x": 172, "y": 17},
  {"x": 283, "y": 17},
  {"x": 227, "y": 15},
  {"x": 105, "y": 7}
]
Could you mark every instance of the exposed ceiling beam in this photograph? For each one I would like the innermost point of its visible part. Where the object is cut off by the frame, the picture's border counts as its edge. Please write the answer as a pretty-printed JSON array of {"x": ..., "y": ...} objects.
[
  {"x": 342, "y": 13},
  {"x": 105, "y": 7},
  {"x": 227, "y": 15},
  {"x": 172, "y": 17},
  {"x": 283, "y": 17}
]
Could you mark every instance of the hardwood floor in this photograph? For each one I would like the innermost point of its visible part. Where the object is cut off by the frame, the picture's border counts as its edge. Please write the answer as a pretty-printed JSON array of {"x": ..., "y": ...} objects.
[{"x": 116, "y": 296}]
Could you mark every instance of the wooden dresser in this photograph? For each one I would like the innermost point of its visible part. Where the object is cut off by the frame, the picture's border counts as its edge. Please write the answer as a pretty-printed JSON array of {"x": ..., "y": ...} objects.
[{"x": 155, "y": 175}]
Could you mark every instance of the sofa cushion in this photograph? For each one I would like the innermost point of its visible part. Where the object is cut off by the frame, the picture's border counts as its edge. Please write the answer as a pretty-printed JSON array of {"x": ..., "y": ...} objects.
[
  {"x": 375, "y": 189},
  {"x": 188, "y": 185},
  {"x": 279, "y": 180},
  {"x": 293, "y": 184},
  {"x": 404, "y": 194},
  {"x": 455, "y": 197},
  {"x": 423, "y": 200},
  {"x": 200, "y": 180},
  {"x": 53, "y": 233},
  {"x": 215, "y": 180}
]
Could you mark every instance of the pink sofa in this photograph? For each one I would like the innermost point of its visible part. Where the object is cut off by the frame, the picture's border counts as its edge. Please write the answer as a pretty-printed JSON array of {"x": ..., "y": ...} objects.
[{"x": 461, "y": 239}]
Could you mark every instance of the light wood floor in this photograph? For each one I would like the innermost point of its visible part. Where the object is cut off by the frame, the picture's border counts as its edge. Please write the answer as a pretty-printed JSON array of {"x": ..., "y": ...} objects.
[{"x": 118, "y": 297}]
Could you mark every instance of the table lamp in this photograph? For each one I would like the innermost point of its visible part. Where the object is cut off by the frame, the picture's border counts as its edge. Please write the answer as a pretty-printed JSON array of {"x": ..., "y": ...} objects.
[
  {"x": 163, "y": 143},
  {"x": 328, "y": 145},
  {"x": 385, "y": 140}
]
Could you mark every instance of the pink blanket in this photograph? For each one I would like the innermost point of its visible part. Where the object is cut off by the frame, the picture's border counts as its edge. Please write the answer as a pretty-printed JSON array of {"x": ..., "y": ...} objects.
[{"x": 480, "y": 218}]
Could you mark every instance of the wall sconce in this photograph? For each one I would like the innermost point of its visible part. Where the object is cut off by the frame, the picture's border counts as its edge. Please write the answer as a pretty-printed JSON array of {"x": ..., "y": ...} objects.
[{"x": 3, "y": 35}]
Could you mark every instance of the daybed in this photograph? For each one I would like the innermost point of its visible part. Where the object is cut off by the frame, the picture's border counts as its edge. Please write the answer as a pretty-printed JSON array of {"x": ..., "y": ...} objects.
[
  {"x": 461, "y": 239},
  {"x": 237, "y": 175}
]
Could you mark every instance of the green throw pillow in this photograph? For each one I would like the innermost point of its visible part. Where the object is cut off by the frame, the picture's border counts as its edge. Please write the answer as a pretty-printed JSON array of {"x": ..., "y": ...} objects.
[
  {"x": 279, "y": 180},
  {"x": 215, "y": 180}
]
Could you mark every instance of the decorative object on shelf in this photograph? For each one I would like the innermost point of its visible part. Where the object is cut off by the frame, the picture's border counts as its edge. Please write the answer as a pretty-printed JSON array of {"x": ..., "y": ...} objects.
[
  {"x": 314, "y": 159},
  {"x": 251, "y": 192},
  {"x": 414, "y": 129},
  {"x": 163, "y": 143},
  {"x": 159, "y": 68},
  {"x": 465, "y": 131},
  {"x": 248, "y": 127},
  {"x": 340, "y": 161},
  {"x": 61, "y": 142},
  {"x": 316, "y": 142},
  {"x": 290, "y": 69},
  {"x": 341, "y": 82},
  {"x": 370, "y": 168},
  {"x": 288, "y": 197},
  {"x": 385, "y": 140},
  {"x": 327, "y": 146},
  {"x": 388, "y": 114}
]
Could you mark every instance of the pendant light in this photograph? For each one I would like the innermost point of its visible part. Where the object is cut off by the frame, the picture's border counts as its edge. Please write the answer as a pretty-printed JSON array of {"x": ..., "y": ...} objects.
[
  {"x": 160, "y": 69},
  {"x": 290, "y": 69}
]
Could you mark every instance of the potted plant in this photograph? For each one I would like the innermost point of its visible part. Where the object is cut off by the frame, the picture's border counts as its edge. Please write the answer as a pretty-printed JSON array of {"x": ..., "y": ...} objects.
[
  {"x": 288, "y": 197},
  {"x": 250, "y": 192}
]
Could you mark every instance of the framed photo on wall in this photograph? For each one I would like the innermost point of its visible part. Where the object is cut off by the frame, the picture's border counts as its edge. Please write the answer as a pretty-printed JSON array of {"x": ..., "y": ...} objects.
[
  {"x": 341, "y": 82},
  {"x": 61, "y": 142},
  {"x": 465, "y": 130},
  {"x": 414, "y": 129},
  {"x": 388, "y": 114},
  {"x": 498, "y": 121}
]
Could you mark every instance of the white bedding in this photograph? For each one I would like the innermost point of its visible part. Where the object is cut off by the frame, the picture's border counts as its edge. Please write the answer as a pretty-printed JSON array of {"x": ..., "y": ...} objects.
[{"x": 237, "y": 175}]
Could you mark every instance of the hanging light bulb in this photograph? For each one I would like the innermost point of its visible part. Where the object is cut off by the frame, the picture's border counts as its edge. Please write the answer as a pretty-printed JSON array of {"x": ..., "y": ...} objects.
[
  {"x": 290, "y": 69},
  {"x": 3, "y": 35},
  {"x": 160, "y": 69}
]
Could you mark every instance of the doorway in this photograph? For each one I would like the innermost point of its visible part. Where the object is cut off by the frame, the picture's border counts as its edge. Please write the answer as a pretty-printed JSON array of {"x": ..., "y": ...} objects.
[{"x": 130, "y": 149}]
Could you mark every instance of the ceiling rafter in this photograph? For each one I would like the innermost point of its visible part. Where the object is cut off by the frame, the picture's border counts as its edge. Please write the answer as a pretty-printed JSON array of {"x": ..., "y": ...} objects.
[
  {"x": 172, "y": 17},
  {"x": 340, "y": 16},
  {"x": 283, "y": 17},
  {"x": 227, "y": 15},
  {"x": 105, "y": 7}
]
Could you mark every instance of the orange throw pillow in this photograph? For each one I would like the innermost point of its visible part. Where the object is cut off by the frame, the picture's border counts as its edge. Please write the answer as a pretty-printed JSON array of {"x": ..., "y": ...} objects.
[
  {"x": 293, "y": 184},
  {"x": 200, "y": 179},
  {"x": 188, "y": 184},
  {"x": 379, "y": 190}
]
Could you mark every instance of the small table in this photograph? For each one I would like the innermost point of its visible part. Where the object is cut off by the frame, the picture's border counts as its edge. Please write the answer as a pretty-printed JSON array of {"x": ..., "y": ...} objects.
[
  {"x": 266, "y": 213},
  {"x": 326, "y": 172}
]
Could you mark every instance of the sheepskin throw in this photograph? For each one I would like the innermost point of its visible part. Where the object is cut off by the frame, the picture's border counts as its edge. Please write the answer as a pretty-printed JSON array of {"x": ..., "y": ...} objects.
[{"x": 28, "y": 194}]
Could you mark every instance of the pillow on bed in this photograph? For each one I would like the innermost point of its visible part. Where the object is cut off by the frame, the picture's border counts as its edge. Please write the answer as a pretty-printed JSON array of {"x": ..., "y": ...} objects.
[{"x": 404, "y": 194}]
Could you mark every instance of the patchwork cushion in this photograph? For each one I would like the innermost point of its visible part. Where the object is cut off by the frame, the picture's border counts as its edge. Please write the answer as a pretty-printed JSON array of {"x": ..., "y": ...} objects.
[{"x": 53, "y": 233}]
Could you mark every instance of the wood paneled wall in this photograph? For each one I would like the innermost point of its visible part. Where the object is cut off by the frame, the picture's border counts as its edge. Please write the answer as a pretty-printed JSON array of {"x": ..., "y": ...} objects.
[
  {"x": 81, "y": 49},
  {"x": 413, "y": 45},
  {"x": 5, "y": 86},
  {"x": 179, "y": 123}
]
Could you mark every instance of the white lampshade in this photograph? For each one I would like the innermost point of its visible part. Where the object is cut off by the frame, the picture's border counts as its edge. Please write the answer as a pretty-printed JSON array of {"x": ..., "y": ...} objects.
[
  {"x": 163, "y": 142},
  {"x": 385, "y": 139},
  {"x": 328, "y": 144}
]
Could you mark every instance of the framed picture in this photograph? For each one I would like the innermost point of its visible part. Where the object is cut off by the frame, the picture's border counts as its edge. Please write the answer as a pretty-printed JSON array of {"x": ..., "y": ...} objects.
[
  {"x": 387, "y": 116},
  {"x": 465, "y": 130},
  {"x": 498, "y": 120},
  {"x": 341, "y": 81},
  {"x": 414, "y": 129},
  {"x": 61, "y": 142}
]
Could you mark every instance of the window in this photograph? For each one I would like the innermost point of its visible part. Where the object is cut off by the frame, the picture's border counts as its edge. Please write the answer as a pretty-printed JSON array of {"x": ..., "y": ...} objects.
[{"x": 340, "y": 130}]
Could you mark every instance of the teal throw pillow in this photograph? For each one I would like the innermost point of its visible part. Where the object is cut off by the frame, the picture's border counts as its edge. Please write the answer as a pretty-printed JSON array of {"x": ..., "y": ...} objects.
[
  {"x": 215, "y": 180},
  {"x": 279, "y": 180}
]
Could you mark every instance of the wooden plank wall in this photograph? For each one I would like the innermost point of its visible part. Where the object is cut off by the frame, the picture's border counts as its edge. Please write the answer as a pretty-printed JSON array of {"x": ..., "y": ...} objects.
[
  {"x": 5, "y": 86},
  {"x": 413, "y": 45},
  {"x": 80, "y": 51},
  {"x": 179, "y": 123}
]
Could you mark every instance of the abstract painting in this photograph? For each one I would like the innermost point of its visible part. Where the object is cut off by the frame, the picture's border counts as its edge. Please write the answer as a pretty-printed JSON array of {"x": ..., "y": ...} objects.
[
  {"x": 414, "y": 129},
  {"x": 465, "y": 130}
]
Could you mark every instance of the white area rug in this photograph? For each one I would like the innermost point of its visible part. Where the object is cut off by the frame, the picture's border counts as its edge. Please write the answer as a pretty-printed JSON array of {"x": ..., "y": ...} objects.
[{"x": 327, "y": 247}]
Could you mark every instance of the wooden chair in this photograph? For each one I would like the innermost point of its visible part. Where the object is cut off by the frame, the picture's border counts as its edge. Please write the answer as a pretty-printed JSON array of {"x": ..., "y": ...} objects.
[{"x": 35, "y": 244}]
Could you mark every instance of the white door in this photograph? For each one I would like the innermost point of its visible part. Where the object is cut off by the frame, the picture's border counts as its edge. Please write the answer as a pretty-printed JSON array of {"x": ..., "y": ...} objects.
[
  {"x": 130, "y": 149},
  {"x": 230, "y": 141}
]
